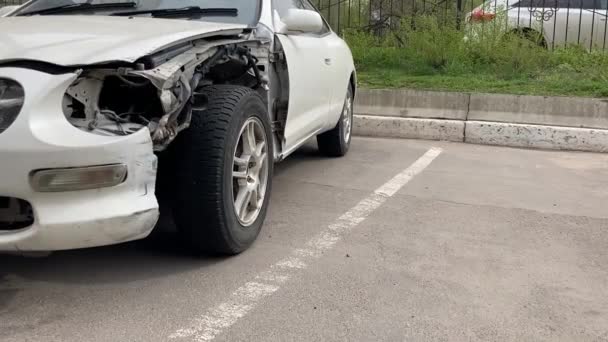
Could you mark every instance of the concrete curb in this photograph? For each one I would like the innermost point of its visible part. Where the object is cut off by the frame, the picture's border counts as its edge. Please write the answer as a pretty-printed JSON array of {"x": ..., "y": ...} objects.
[
  {"x": 407, "y": 103},
  {"x": 536, "y": 136},
  {"x": 561, "y": 123},
  {"x": 408, "y": 128},
  {"x": 539, "y": 110}
]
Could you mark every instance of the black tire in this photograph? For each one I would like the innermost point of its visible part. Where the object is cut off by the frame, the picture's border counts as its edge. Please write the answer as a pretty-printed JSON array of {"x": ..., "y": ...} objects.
[
  {"x": 335, "y": 143},
  {"x": 530, "y": 36},
  {"x": 201, "y": 197}
]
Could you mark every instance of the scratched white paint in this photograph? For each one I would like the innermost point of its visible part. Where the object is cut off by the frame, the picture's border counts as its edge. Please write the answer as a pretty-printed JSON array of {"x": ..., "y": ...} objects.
[{"x": 245, "y": 298}]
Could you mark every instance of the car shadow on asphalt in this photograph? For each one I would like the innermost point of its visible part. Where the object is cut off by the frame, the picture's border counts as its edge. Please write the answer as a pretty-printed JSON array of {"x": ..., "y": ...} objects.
[
  {"x": 154, "y": 257},
  {"x": 305, "y": 154}
]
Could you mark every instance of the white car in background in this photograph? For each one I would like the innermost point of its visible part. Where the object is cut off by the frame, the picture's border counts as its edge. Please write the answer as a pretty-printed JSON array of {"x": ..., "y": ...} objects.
[
  {"x": 552, "y": 23},
  {"x": 110, "y": 107}
]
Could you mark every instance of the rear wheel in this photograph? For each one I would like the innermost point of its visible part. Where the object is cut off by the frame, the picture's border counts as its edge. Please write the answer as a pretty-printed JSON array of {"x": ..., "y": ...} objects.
[
  {"x": 222, "y": 171},
  {"x": 335, "y": 143},
  {"x": 528, "y": 37}
]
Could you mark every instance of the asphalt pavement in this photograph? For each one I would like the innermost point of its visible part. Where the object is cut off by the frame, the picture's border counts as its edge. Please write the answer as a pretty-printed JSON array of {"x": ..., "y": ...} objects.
[{"x": 401, "y": 240}]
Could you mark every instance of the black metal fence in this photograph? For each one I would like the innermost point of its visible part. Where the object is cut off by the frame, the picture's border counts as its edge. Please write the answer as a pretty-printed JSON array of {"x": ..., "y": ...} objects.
[
  {"x": 10, "y": 2},
  {"x": 552, "y": 22},
  {"x": 378, "y": 14}
]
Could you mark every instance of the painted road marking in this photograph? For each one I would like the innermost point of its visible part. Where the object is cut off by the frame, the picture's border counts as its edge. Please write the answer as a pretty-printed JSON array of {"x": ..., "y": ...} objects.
[{"x": 245, "y": 298}]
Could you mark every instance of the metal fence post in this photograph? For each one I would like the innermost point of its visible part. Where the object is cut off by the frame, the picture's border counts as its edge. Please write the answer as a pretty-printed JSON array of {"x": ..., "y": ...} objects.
[{"x": 458, "y": 13}]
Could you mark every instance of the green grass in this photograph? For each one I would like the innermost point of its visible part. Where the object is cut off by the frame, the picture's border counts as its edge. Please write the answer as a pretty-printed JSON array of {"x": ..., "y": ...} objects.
[
  {"x": 433, "y": 57},
  {"x": 484, "y": 83}
]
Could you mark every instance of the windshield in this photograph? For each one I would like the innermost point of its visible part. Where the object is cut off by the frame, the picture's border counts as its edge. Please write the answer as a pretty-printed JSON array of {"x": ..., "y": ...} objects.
[{"x": 247, "y": 10}]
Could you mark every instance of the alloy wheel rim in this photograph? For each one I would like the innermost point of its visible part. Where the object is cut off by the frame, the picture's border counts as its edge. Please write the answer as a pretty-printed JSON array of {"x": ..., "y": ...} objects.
[
  {"x": 250, "y": 172},
  {"x": 347, "y": 118}
]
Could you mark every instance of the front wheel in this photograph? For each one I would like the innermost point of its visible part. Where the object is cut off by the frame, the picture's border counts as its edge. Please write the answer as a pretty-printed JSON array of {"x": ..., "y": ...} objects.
[
  {"x": 335, "y": 143},
  {"x": 223, "y": 171}
]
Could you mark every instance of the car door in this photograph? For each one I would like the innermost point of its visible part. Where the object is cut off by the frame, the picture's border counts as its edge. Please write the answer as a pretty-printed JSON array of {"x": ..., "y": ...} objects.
[
  {"x": 337, "y": 52},
  {"x": 310, "y": 71}
]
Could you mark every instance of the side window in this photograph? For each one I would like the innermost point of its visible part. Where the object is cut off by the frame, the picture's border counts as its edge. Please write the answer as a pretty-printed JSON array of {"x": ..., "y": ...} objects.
[
  {"x": 523, "y": 3},
  {"x": 571, "y": 3},
  {"x": 595, "y": 4},
  {"x": 544, "y": 3},
  {"x": 584, "y": 4}
]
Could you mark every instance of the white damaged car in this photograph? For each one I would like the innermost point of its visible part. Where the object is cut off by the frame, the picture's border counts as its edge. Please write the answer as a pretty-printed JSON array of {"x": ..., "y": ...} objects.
[{"x": 114, "y": 111}]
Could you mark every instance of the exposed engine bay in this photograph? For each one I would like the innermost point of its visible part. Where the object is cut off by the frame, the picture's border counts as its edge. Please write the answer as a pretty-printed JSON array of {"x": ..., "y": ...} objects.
[{"x": 159, "y": 90}]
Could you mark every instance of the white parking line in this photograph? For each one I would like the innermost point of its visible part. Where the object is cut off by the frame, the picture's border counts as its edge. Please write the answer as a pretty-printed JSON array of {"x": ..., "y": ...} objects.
[{"x": 245, "y": 298}]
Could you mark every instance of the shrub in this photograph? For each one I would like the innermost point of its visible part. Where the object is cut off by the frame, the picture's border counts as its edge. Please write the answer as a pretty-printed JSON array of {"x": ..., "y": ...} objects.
[
  {"x": 432, "y": 43},
  {"x": 478, "y": 57}
]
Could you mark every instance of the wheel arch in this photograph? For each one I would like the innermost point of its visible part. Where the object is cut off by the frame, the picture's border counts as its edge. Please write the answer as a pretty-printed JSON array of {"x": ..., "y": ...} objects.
[
  {"x": 353, "y": 82},
  {"x": 531, "y": 34}
]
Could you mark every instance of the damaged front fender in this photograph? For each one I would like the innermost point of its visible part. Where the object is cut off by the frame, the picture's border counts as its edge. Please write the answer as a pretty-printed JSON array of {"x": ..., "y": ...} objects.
[{"x": 122, "y": 100}]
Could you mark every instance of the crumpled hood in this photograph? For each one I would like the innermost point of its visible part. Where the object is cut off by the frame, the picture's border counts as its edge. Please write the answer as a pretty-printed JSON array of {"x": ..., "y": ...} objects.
[{"x": 80, "y": 40}]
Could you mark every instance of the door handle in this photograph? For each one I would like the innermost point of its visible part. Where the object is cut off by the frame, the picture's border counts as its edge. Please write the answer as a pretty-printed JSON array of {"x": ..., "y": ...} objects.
[{"x": 328, "y": 61}]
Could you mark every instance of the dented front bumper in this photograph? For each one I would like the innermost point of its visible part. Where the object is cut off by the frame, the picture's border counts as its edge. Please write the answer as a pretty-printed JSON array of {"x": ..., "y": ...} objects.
[{"x": 42, "y": 138}]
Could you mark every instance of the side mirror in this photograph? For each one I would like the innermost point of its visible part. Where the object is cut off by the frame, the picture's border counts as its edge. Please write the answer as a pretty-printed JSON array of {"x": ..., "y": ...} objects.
[
  {"x": 7, "y": 9},
  {"x": 301, "y": 21}
]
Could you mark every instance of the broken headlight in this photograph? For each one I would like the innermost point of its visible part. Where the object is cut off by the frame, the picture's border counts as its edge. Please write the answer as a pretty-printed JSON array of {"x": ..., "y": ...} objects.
[{"x": 11, "y": 101}]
